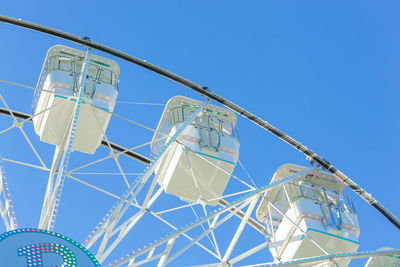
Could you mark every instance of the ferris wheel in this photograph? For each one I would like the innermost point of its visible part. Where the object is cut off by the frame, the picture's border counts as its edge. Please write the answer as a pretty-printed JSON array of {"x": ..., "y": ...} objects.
[{"x": 190, "y": 193}]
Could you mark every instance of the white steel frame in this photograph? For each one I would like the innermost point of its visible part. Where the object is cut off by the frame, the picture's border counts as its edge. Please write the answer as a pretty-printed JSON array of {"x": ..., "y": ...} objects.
[
  {"x": 63, "y": 151},
  {"x": 112, "y": 226}
]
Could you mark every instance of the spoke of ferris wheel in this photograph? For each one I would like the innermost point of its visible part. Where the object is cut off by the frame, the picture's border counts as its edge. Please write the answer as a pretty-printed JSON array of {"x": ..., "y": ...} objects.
[
  {"x": 114, "y": 154},
  {"x": 252, "y": 222},
  {"x": 136, "y": 123},
  {"x": 200, "y": 197},
  {"x": 29, "y": 118},
  {"x": 56, "y": 158},
  {"x": 247, "y": 173},
  {"x": 119, "y": 208},
  {"x": 166, "y": 252},
  {"x": 143, "y": 208},
  {"x": 177, "y": 208},
  {"x": 151, "y": 212},
  {"x": 25, "y": 164},
  {"x": 202, "y": 227},
  {"x": 125, "y": 227},
  {"x": 31, "y": 145},
  {"x": 231, "y": 195},
  {"x": 95, "y": 187},
  {"x": 215, "y": 224},
  {"x": 239, "y": 231},
  {"x": 19, "y": 126},
  {"x": 44, "y": 217},
  {"x": 244, "y": 199},
  {"x": 50, "y": 213},
  {"x": 185, "y": 234},
  {"x": 330, "y": 257},
  {"x": 239, "y": 257},
  {"x": 7, "y": 107},
  {"x": 6, "y": 206},
  {"x": 193, "y": 241},
  {"x": 248, "y": 253},
  {"x": 212, "y": 232}
]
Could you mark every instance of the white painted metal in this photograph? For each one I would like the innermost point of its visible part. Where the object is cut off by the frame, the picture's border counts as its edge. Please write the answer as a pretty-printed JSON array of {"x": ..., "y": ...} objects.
[
  {"x": 54, "y": 189},
  {"x": 107, "y": 225},
  {"x": 213, "y": 135},
  {"x": 239, "y": 231},
  {"x": 243, "y": 201},
  {"x": 215, "y": 224},
  {"x": 237, "y": 258},
  {"x": 167, "y": 250},
  {"x": 6, "y": 207},
  {"x": 19, "y": 125}
]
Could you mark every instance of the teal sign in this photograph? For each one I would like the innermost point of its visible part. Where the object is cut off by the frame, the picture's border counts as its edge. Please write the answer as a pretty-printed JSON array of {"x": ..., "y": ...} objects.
[{"x": 31, "y": 247}]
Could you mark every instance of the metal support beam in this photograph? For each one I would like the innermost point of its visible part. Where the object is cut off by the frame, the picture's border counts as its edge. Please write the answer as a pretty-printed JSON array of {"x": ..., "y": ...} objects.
[
  {"x": 45, "y": 215},
  {"x": 166, "y": 252},
  {"x": 53, "y": 196},
  {"x": 6, "y": 207},
  {"x": 126, "y": 226},
  {"x": 114, "y": 215},
  {"x": 214, "y": 214},
  {"x": 238, "y": 258},
  {"x": 252, "y": 222},
  {"x": 239, "y": 231}
]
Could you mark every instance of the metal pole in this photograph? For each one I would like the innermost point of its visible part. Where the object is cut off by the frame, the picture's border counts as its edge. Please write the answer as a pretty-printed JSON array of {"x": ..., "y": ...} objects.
[{"x": 52, "y": 209}]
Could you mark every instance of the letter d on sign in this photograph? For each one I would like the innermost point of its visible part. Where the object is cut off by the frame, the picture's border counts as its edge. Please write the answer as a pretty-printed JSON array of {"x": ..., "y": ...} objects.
[{"x": 34, "y": 253}]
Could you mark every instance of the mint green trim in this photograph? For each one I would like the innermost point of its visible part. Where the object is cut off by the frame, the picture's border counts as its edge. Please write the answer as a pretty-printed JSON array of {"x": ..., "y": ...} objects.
[
  {"x": 311, "y": 229},
  {"x": 60, "y": 96},
  {"x": 227, "y": 161},
  {"x": 100, "y": 63}
]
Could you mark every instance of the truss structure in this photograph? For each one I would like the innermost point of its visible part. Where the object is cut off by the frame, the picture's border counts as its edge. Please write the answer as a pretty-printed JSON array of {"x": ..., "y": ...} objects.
[
  {"x": 117, "y": 223},
  {"x": 6, "y": 207}
]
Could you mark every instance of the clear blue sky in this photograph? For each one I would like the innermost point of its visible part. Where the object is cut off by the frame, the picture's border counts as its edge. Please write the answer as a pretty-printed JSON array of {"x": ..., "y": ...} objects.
[{"x": 325, "y": 72}]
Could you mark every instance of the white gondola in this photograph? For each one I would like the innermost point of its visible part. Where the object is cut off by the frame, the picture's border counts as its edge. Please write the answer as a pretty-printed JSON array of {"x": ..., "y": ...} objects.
[
  {"x": 203, "y": 173},
  {"x": 60, "y": 76},
  {"x": 317, "y": 204}
]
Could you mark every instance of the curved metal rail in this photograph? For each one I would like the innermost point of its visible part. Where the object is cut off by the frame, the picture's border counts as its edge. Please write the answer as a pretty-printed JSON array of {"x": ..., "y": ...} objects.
[{"x": 312, "y": 156}]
